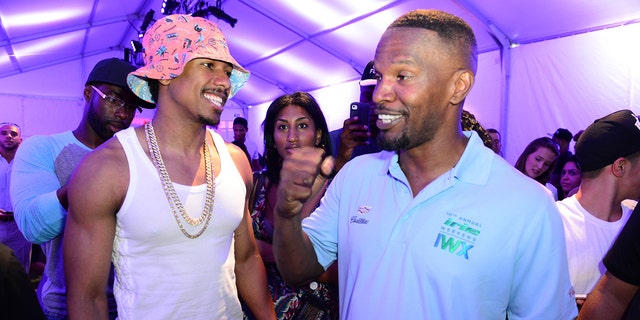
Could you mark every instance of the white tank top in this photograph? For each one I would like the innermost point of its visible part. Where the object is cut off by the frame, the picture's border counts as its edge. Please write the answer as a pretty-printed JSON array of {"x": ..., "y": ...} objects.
[{"x": 160, "y": 273}]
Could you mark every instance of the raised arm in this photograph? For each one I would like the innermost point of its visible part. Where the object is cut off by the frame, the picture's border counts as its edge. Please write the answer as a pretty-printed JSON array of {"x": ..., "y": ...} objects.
[
  {"x": 251, "y": 277},
  {"x": 352, "y": 135},
  {"x": 35, "y": 185},
  {"x": 96, "y": 192},
  {"x": 303, "y": 175}
]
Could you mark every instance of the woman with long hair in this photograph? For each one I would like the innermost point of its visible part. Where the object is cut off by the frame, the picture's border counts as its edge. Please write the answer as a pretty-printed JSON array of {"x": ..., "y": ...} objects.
[
  {"x": 570, "y": 177},
  {"x": 538, "y": 160},
  {"x": 292, "y": 121}
]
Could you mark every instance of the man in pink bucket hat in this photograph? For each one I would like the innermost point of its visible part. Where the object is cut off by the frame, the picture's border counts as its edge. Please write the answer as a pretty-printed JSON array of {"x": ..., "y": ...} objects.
[{"x": 167, "y": 201}]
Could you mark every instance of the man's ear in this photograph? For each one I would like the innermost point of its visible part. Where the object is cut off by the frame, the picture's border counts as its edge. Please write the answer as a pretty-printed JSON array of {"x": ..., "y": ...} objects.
[
  {"x": 618, "y": 167},
  {"x": 87, "y": 92},
  {"x": 464, "y": 80}
]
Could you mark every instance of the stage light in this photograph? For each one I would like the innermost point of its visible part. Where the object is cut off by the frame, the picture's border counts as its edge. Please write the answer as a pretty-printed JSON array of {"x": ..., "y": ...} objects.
[
  {"x": 220, "y": 14},
  {"x": 148, "y": 18},
  {"x": 199, "y": 8},
  {"x": 136, "y": 46},
  {"x": 203, "y": 13}
]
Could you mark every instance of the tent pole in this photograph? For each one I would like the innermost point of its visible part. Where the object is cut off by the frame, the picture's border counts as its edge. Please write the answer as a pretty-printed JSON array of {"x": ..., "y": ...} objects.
[{"x": 505, "y": 44}]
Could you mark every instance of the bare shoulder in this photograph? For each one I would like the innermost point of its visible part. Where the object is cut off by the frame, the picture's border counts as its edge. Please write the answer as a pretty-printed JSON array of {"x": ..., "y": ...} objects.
[
  {"x": 109, "y": 156},
  {"x": 104, "y": 168},
  {"x": 234, "y": 150}
]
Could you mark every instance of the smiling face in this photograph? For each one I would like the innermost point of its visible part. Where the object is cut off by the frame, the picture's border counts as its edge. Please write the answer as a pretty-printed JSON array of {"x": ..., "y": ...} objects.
[
  {"x": 570, "y": 177},
  {"x": 407, "y": 96},
  {"x": 201, "y": 89},
  {"x": 293, "y": 129},
  {"x": 539, "y": 162},
  {"x": 419, "y": 88}
]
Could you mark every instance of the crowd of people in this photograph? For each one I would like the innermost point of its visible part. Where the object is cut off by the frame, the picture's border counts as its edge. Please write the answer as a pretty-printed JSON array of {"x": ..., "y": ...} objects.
[{"x": 409, "y": 214}]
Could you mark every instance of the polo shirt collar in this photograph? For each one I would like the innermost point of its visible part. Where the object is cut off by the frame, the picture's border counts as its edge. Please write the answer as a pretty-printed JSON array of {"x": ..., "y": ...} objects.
[
  {"x": 473, "y": 166},
  {"x": 476, "y": 161}
]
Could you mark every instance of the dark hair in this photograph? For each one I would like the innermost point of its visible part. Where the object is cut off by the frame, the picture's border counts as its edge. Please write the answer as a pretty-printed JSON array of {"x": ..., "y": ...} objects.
[
  {"x": 543, "y": 142},
  {"x": 241, "y": 121},
  {"x": 453, "y": 30},
  {"x": 468, "y": 122},
  {"x": 305, "y": 101},
  {"x": 577, "y": 135},
  {"x": 572, "y": 158}
]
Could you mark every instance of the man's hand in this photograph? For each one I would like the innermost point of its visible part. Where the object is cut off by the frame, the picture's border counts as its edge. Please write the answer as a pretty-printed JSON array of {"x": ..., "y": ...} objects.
[
  {"x": 353, "y": 134},
  {"x": 303, "y": 174}
]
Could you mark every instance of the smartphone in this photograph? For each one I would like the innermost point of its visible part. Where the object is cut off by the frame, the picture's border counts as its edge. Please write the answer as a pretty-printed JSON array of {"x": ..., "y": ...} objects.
[{"x": 361, "y": 110}]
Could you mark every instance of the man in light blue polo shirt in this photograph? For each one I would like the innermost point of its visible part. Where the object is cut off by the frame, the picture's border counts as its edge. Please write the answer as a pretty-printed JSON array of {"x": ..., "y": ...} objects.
[{"x": 437, "y": 226}]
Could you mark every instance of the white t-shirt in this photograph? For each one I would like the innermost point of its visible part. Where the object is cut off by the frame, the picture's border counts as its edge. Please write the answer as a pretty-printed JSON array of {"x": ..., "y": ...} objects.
[
  {"x": 553, "y": 189},
  {"x": 5, "y": 178},
  {"x": 253, "y": 150},
  {"x": 587, "y": 240}
]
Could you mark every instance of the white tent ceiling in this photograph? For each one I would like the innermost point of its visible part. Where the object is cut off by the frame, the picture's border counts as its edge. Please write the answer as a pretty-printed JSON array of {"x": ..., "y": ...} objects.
[{"x": 287, "y": 44}]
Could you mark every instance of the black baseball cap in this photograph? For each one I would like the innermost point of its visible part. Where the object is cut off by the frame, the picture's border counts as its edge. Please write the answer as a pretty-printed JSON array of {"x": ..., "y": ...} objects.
[
  {"x": 607, "y": 139},
  {"x": 563, "y": 134},
  {"x": 369, "y": 76},
  {"x": 114, "y": 71}
]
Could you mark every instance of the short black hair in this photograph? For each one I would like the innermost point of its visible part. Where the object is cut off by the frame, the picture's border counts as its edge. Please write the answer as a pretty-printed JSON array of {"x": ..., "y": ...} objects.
[
  {"x": 452, "y": 29},
  {"x": 241, "y": 121}
]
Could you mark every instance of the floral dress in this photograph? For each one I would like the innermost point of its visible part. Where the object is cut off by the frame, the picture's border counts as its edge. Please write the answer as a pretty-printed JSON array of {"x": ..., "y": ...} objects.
[{"x": 315, "y": 300}]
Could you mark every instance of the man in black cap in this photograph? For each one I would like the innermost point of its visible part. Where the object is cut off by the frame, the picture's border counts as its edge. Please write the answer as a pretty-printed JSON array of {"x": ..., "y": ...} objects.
[
  {"x": 608, "y": 153},
  {"x": 43, "y": 165},
  {"x": 562, "y": 137},
  {"x": 355, "y": 139}
]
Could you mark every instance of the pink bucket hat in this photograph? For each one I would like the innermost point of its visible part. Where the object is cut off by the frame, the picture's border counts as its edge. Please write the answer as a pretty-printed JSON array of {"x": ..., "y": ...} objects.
[{"x": 173, "y": 41}]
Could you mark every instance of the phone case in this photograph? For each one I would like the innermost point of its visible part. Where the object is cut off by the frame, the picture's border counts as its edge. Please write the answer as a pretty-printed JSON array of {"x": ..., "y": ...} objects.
[{"x": 361, "y": 110}]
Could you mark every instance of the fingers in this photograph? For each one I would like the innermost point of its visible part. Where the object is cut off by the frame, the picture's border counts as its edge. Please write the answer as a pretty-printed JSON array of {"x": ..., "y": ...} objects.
[
  {"x": 303, "y": 165},
  {"x": 354, "y": 134},
  {"x": 352, "y": 124},
  {"x": 349, "y": 122},
  {"x": 301, "y": 174},
  {"x": 326, "y": 167}
]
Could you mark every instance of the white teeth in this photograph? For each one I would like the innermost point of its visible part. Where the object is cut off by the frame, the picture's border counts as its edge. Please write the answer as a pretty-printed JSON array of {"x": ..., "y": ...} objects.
[
  {"x": 214, "y": 99},
  {"x": 387, "y": 118}
]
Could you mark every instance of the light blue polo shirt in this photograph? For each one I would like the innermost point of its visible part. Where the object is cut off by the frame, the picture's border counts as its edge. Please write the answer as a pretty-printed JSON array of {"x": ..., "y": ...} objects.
[{"x": 479, "y": 242}]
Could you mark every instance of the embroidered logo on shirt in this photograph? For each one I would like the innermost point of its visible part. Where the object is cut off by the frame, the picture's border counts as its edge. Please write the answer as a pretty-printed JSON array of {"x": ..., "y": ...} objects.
[
  {"x": 360, "y": 218},
  {"x": 458, "y": 235}
]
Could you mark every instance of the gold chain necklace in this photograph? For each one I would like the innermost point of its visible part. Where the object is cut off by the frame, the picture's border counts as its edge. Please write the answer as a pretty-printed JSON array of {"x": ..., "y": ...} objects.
[{"x": 170, "y": 191}]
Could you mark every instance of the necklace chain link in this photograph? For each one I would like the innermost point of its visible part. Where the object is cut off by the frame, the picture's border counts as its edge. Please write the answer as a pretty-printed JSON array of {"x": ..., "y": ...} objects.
[{"x": 170, "y": 191}]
